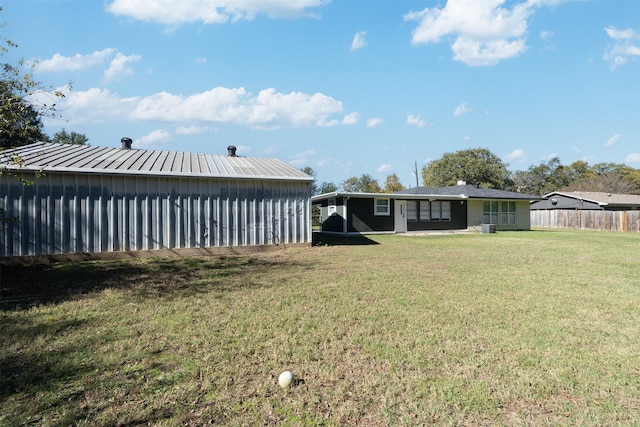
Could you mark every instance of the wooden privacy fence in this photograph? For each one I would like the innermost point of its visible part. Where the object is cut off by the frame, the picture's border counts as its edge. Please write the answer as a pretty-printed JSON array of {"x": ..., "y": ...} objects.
[{"x": 587, "y": 219}]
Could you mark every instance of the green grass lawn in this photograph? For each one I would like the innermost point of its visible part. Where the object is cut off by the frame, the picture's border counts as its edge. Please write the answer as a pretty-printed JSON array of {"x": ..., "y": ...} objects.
[{"x": 512, "y": 328}]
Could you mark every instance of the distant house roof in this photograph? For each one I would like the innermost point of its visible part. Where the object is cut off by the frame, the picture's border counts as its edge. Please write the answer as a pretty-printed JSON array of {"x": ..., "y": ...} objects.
[
  {"x": 470, "y": 192},
  {"x": 50, "y": 157},
  {"x": 573, "y": 199},
  {"x": 454, "y": 192}
]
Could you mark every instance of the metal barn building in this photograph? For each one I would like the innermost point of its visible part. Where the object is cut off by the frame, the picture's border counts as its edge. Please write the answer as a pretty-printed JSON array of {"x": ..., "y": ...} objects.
[{"x": 88, "y": 199}]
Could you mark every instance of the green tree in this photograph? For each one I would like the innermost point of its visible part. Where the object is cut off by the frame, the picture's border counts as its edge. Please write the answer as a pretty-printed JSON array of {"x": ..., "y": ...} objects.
[
  {"x": 20, "y": 118},
  {"x": 309, "y": 171},
  {"x": 552, "y": 176},
  {"x": 608, "y": 178},
  {"x": 541, "y": 179},
  {"x": 611, "y": 182},
  {"x": 75, "y": 138},
  {"x": 632, "y": 176},
  {"x": 393, "y": 184},
  {"x": 323, "y": 187},
  {"x": 327, "y": 187},
  {"x": 363, "y": 184},
  {"x": 580, "y": 170},
  {"x": 476, "y": 165}
]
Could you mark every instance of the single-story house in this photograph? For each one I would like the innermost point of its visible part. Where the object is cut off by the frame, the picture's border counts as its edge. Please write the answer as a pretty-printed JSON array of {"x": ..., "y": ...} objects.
[
  {"x": 90, "y": 199},
  {"x": 587, "y": 200},
  {"x": 457, "y": 207}
]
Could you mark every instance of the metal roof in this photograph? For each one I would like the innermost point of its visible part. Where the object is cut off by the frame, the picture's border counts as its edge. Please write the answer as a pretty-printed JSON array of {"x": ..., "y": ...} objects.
[{"x": 67, "y": 158}]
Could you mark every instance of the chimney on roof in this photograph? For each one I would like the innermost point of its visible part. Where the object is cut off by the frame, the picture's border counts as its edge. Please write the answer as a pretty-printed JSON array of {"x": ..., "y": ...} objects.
[
  {"x": 231, "y": 150},
  {"x": 126, "y": 143}
]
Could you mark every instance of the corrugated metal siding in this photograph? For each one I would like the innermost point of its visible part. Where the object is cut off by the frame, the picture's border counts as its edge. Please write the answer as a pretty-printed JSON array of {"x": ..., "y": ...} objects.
[{"x": 77, "y": 213}]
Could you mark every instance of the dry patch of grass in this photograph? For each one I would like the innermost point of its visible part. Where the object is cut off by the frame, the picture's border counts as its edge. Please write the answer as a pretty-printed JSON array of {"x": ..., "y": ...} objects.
[{"x": 512, "y": 328}]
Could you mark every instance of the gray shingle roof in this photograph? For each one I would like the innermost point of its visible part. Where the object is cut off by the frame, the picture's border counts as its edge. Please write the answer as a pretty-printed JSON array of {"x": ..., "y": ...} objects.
[
  {"x": 93, "y": 159},
  {"x": 601, "y": 198},
  {"x": 470, "y": 192}
]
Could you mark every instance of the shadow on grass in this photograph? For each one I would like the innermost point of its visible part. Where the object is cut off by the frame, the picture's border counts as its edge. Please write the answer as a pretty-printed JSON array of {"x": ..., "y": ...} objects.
[
  {"x": 44, "y": 361},
  {"x": 46, "y": 383},
  {"x": 25, "y": 286},
  {"x": 324, "y": 239}
]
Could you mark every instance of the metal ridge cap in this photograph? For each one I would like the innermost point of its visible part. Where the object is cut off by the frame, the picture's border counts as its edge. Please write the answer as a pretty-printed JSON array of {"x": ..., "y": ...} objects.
[{"x": 94, "y": 171}]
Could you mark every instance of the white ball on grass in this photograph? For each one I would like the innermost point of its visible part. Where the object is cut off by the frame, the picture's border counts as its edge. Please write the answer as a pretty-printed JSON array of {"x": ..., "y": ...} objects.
[{"x": 285, "y": 379}]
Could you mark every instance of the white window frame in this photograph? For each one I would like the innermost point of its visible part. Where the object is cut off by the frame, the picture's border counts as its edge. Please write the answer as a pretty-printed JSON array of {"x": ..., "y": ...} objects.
[
  {"x": 490, "y": 216},
  {"x": 507, "y": 214},
  {"x": 425, "y": 210},
  {"x": 435, "y": 210},
  {"x": 381, "y": 207},
  {"x": 445, "y": 210},
  {"x": 331, "y": 208},
  {"x": 440, "y": 211},
  {"x": 412, "y": 210}
]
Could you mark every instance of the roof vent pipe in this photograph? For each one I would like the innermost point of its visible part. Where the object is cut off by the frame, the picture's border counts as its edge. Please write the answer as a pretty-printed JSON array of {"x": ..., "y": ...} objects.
[
  {"x": 231, "y": 150},
  {"x": 126, "y": 143}
]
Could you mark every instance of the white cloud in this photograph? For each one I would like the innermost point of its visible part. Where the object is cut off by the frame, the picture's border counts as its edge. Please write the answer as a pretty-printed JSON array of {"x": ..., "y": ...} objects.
[
  {"x": 155, "y": 138},
  {"x": 384, "y": 168},
  {"x": 351, "y": 119},
  {"x": 616, "y": 34},
  {"x": 633, "y": 158},
  {"x": 91, "y": 106},
  {"x": 359, "y": 40},
  {"x": 624, "y": 48},
  {"x": 372, "y": 123},
  {"x": 268, "y": 151},
  {"x": 119, "y": 67},
  {"x": 266, "y": 110},
  {"x": 416, "y": 121},
  {"x": 191, "y": 130},
  {"x": 461, "y": 110},
  {"x": 302, "y": 159},
  {"x": 546, "y": 35},
  {"x": 76, "y": 62},
  {"x": 243, "y": 150},
  {"x": 173, "y": 12},
  {"x": 328, "y": 123},
  {"x": 515, "y": 156},
  {"x": 612, "y": 141},
  {"x": 483, "y": 32},
  {"x": 201, "y": 60}
]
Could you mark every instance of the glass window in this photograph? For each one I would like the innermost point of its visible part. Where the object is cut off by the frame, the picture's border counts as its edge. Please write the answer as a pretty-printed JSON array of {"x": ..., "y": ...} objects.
[
  {"x": 435, "y": 211},
  {"x": 490, "y": 212},
  {"x": 412, "y": 210},
  {"x": 381, "y": 207},
  {"x": 508, "y": 214},
  {"x": 332, "y": 206},
  {"x": 425, "y": 210},
  {"x": 445, "y": 214}
]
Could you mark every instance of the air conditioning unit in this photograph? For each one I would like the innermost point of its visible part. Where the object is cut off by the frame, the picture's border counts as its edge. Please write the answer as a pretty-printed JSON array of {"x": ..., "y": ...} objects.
[{"x": 488, "y": 228}]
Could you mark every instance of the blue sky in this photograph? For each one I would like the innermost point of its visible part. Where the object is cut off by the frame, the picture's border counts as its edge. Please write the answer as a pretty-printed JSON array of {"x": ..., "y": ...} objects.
[{"x": 345, "y": 86}]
